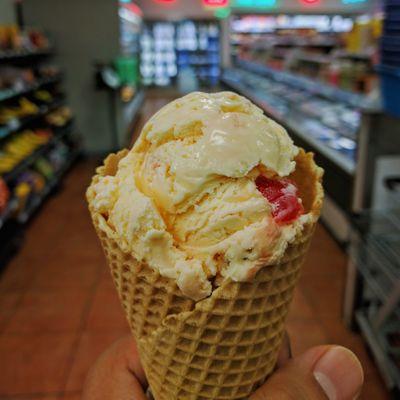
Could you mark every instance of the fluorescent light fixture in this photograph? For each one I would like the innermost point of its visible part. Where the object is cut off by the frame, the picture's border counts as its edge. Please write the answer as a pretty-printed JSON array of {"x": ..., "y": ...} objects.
[
  {"x": 353, "y": 1},
  {"x": 254, "y": 3}
]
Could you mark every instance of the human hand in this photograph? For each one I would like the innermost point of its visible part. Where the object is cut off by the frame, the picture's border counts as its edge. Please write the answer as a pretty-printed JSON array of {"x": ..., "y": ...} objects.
[{"x": 322, "y": 372}]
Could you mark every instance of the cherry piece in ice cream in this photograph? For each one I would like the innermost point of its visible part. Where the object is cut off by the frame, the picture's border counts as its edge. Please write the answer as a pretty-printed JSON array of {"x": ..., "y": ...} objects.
[{"x": 282, "y": 194}]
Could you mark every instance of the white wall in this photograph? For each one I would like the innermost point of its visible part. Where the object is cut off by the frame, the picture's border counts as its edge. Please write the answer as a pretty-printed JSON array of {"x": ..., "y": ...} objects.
[
  {"x": 83, "y": 31},
  {"x": 179, "y": 9},
  {"x": 7, "y": 15}
]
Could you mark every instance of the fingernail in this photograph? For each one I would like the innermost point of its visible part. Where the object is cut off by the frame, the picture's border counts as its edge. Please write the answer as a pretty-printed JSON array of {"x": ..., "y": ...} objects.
[{"x": 339, "y": 373}]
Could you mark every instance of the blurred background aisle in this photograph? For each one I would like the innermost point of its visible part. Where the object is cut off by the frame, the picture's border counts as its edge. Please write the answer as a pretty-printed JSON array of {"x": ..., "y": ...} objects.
[{"x": 79, "y": 79}]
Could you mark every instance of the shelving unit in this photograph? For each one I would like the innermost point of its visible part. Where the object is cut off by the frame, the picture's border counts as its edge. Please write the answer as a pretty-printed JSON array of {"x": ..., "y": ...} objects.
[
  {"x": 309, "y": 45},
  {"x": 14, "y": 218},
  {"x": 17, "y": 55},
  {"x": 373, "y": 292},
  {"x": 24, "y": 164},
  {"x": 41, "y": 198},
  {"x": 10, "y": 94},
  {"x": 18, "y": 124}
]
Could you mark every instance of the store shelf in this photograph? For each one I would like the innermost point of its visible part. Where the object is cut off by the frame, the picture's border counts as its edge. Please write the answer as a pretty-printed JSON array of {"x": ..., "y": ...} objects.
[
  {"x": 23, "y": 165},
  {"x": 326, "y": 59},
  {"x": 339, "y": 159},
  {"x": 385, "y": 364},
  {"x": 376, "y": 275},
  {"x": 17, "y": 55},
  {"x": 324, "y": 90},
  {"x": 375, "y": 251},
  {"x": 200, "y": 51},
  {"x": 38, "y": 201},
  {"x": 11, "y": 93},
  {"x": 18, "y": 124},
  {"x": 355, "y": 56},
  {"x": 200, "y": 64},
  {"x": 268, "y": 45},
  {"x": 314, "y": 58},
  {"x": 343, "y": 162}
]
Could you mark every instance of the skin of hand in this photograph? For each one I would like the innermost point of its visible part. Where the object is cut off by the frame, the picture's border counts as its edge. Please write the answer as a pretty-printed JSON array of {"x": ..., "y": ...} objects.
[{"x": 322, "y": 372}]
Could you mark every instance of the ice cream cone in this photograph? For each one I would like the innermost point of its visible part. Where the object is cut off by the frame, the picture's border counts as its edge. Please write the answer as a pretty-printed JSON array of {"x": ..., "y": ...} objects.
[{"x": 226, "y": 345}]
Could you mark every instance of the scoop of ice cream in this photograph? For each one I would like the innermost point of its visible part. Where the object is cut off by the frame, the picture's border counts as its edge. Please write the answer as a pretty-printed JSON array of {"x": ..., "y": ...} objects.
[
  {"x": 185, "y": 199},
  {"x": 193, "y": 142}
]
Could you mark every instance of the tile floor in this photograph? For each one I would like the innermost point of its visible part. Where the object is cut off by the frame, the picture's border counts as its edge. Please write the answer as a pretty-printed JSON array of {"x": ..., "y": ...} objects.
[{"x": 59, "y": 311}]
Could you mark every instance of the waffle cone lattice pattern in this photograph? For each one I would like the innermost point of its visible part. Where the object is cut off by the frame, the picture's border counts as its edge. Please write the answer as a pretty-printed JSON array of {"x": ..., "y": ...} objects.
[{"x": 221, "y": 347}]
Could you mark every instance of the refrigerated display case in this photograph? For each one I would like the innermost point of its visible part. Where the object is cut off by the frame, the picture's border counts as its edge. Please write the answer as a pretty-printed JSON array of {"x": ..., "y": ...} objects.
[
  {"x": 315, "y": 74},
  {"x": 172, "y": 50},
  {"x": 346, "y": 131}
]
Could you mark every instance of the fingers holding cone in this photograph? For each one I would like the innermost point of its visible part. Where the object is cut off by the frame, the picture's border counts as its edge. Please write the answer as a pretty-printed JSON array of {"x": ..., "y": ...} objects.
[{"x": 323, "y": 372}]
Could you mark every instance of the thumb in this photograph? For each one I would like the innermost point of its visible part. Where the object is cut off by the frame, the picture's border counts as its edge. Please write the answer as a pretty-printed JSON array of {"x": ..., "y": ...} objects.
[{"x": 322, "y": 372}]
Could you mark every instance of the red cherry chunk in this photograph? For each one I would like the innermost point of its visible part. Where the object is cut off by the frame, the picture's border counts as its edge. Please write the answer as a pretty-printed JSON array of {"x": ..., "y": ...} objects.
[{"x": 283, "y": 196}]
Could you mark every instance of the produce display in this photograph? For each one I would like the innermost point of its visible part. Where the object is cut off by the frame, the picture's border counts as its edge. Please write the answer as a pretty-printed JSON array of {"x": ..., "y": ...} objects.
[
  {"x": 43, "y": 96},
  {"x": 24, "y": 108},
  {"x": 59, "y": 117},
  {"x": 21, "y": 145}
]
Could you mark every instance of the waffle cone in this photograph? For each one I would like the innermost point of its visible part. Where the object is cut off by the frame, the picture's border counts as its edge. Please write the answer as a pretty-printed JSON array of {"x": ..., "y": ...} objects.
[{"x": 221, "y": 347}]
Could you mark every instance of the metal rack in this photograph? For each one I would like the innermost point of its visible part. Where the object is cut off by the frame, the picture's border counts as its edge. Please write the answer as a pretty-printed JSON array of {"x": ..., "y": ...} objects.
[
  {"x": 11, "y": 93},
  {"x": 19, "y": 124},
  {"x": 17, "y": 55},
  {"x": 373, "y": 287}
]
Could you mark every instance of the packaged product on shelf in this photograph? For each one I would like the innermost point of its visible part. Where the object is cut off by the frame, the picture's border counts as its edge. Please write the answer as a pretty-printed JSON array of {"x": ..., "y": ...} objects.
[
  {"x": 45, "y": 168},
  {"x": 14, "y": 78},
  {"x": 43, "y": 95},
  {"x": 32, "y": 178},
  {"x": 4, "y": 195},
  {"x": 9, "y": 37},
  {"x": 59, "y": 117},
  {"x": 49, "y": 70},
  {"x": 12, "y": 38},
  {"x": 58, "y": 156},
  {"x": 22, "y": 192},
  {"x": 24, "y": 108},
  {"x": 38, "y": 39}
]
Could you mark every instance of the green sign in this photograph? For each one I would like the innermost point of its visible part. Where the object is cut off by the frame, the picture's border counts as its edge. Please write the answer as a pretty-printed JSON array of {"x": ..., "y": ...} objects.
[{"x": 222, "y": 12}]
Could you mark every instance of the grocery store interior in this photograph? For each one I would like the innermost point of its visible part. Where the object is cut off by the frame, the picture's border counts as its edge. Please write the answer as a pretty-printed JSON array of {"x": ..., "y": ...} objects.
[{"x": 78, "y": 80}]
